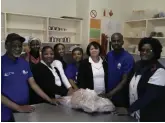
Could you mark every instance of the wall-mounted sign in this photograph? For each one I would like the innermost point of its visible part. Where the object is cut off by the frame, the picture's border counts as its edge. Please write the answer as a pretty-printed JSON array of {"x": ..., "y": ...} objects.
[
  {"x": 93, "y": 13},
  {"x": 110, "y": 13},
  {"x": 107, "y": 13},
  {"x": 95, "y": 30}
]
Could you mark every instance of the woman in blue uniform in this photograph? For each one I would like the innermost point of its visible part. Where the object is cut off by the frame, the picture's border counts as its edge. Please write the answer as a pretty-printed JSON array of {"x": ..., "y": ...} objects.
[{"x": 72, "y": 69}]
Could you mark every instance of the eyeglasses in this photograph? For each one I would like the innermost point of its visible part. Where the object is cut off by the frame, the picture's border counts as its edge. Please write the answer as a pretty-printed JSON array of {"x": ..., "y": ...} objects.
[{"x": 146, "y": 50}]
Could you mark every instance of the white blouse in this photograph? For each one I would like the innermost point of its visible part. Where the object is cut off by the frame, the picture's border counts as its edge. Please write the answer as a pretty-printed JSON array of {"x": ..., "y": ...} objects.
[
  {"x": 134, "y": 94},
  {"x": 98, "y": 76},
  {"x": 57, "y": 78},
  {"x": 158, "y": 78},
  {"x": 58, "y": 65},
  {"x": 53, "y": 70}
]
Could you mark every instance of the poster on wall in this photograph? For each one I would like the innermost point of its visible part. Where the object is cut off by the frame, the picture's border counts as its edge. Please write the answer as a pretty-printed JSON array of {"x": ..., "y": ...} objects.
[
  {"x": 95, "y": 30},
  {"x": 108, "y": 27}
]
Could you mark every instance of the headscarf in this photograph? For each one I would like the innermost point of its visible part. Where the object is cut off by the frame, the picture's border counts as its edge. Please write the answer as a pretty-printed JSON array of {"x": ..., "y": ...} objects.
[
  {"x": 74, "y": 47},
  {"x": 33, "y": 39}
]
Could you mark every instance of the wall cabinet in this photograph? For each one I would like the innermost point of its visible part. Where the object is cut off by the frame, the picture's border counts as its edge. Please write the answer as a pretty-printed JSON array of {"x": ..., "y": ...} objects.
[
  {"x": 48, "y": 29},
  {"x": 134, "y": 30}
]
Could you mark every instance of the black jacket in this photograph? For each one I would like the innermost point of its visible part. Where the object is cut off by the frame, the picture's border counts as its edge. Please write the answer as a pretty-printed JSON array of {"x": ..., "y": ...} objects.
[
  {"x": 151, "y": 98},
  {"x": 46, "y": 81},
  {"x": 85, "y": 75}
]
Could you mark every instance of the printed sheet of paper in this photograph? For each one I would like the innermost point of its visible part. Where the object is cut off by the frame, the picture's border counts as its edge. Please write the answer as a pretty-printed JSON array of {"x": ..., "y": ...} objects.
[{"x": 109, "y": 26}]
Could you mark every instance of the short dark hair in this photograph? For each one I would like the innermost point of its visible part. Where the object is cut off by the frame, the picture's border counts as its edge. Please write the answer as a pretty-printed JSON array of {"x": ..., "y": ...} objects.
[
  {"x": 77, "y": 49},
  {"x": 96, "y": 45},
  {"x": 155, "y": 44},
  {"x": 45, "y": 48},
  {"x": 117, "y": 33}
]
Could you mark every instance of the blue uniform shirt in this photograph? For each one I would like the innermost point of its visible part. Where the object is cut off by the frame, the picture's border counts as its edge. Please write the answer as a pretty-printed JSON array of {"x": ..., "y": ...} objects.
[
  {"x": 118, "y": 65},
  {"x": 14, "y": 83},
  {"x": 71, "y": 72}
]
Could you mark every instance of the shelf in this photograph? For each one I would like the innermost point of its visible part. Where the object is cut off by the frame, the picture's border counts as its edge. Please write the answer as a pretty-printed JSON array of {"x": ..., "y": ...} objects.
[
  {"x": 66, "y": 32},
  {"x": 26, "y": 15},
  {"x": 60, "y": 42},
  {"x": 157, "y": 22},
  {"x": 65, "y": 19},
  {"x": 143, "y": 20},
  {"x": 159, "y": 37},
  {"x": 156, "y": 19},
  {"x": 39, "y": 16},
  {"x": 134, "y": 37},
  {"x": 38, "y": 26},
  {"x": 143, "y": 37},
  {"x": 136, "y": 21},
  {"x": 135, "y": 30},
  {"x": 25, "y": 29}
]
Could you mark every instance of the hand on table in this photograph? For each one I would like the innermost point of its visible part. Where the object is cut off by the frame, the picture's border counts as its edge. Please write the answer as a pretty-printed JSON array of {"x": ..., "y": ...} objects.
[
  {"x": 103, "y": 95},
  {"x": 61, "y": 99},
  {"x": 76, "y": 89},
  {"x": 70, "y": 91},
  {"x": 121, "y": 111},
  {"x": 26, "y": 109},
  {"x": 108, "y": 95},
  {"x": 55, "y": 101}
]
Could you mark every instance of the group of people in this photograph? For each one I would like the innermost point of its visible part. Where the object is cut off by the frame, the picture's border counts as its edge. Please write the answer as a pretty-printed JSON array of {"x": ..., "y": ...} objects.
[{"x": 37, "y": 77}]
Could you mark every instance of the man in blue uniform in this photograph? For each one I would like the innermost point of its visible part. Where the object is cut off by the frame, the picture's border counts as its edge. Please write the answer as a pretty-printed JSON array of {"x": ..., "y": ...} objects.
[
  {"x": 120, "y": 63},
  {"x": 15, "y": 77}
]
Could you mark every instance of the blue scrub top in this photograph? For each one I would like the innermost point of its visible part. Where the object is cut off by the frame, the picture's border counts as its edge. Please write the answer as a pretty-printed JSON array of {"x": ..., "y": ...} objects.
[
  {"x": 14, "y": 83},
  {"x": 118, "y": 65},
  {"x": 71, "y": 72}
]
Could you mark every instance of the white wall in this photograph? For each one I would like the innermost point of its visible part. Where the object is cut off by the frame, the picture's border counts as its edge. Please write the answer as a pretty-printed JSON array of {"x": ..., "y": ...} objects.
[
  {"x": 125, "y": 9},
  {"x": 85, "y": 6},
  {"x": 100, "y": 5},
  {"x": 81, "y": 8},
  {"x": 82, "y": 11},
  {"x": 122, "y": 9},
  {"x": 54, "y": 8},
  {"x": 148, "y": 4}
]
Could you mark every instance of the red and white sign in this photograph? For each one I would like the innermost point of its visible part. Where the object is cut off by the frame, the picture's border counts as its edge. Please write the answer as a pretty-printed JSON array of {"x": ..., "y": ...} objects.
[
  {"x": 107, "y": 13},
  {"x": 93, "y": 13}
]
